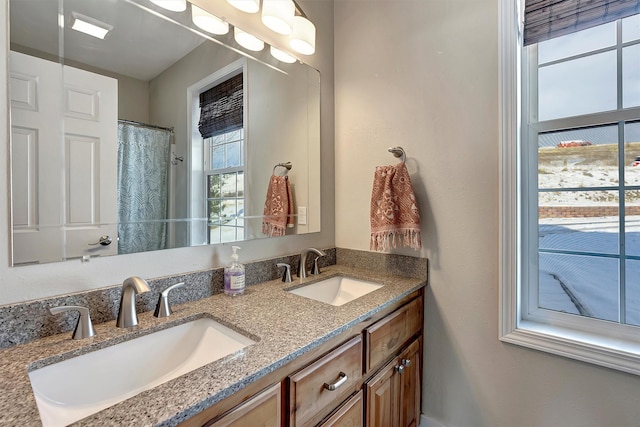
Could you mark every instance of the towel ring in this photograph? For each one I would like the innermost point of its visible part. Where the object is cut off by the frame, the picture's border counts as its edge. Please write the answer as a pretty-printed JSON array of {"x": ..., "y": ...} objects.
[
  {"x": 286, "y": 165},
  {"x": 398, "y": 152}
]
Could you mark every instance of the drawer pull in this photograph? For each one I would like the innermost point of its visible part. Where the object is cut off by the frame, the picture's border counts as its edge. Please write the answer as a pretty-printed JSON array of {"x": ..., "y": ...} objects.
[
  {"x": 399, "y": 369},
  {"x": 406, "y": 362},
  {"x": 342, "y": 378}
]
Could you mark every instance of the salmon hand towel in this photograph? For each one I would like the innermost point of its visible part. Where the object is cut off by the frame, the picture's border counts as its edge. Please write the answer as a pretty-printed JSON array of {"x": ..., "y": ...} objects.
[
  {"x": 278, "y": 208},
  {"x": 395, "y": 219}
]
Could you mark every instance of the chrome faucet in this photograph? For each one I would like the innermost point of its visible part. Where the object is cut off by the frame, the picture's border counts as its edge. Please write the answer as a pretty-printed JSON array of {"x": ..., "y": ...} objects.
[
  {"x": 302, "y": 266},
  {"x": 127, "y": 316},
  {"x": 84, "y": 327}
]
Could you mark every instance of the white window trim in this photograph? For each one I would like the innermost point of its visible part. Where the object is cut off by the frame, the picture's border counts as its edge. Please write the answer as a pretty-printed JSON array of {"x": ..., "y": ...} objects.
[
  {"x": 610, "y": 345},
  {"x": 198, "y": 229}
]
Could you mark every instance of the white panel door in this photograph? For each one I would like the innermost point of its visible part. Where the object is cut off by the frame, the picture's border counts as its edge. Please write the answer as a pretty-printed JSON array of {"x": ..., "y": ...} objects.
[
  {"x": 64, "y": 160},
  {"x": 37, "y": 159},
  {"x": 91, "y": 154}
]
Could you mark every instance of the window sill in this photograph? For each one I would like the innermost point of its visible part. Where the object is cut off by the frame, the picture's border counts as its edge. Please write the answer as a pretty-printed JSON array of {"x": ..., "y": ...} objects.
[{"x": 587, "y": 347}]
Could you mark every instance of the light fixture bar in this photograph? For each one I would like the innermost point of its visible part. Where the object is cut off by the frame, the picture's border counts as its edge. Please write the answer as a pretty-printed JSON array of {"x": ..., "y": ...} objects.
[
  {"x": 89, "y": 26},
  {"x": 249, "y": 6}
]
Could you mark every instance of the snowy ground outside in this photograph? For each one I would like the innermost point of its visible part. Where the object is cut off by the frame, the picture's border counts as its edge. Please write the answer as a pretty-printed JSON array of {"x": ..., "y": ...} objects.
[{"x": 580, "y": 284}]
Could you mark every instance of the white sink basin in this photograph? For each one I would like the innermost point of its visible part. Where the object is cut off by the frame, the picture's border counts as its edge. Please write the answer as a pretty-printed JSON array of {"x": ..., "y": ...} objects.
[
  {"x": 336, "y": 290},
  {"x": 75, "y": 388}
]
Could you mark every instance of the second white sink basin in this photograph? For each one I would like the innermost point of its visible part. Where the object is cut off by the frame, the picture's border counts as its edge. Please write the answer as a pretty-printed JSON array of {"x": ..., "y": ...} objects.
[
  {"x": 337, "y": 290},
  {"x": 75, "y": 388}
]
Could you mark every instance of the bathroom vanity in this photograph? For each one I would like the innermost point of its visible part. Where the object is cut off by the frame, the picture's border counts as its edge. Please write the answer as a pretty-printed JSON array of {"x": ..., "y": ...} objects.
[{"x": 311, "y": 363}]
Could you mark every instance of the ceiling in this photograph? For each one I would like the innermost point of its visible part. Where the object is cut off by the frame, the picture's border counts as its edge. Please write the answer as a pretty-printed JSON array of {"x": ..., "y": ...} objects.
[{"x": 141, "y": 44}]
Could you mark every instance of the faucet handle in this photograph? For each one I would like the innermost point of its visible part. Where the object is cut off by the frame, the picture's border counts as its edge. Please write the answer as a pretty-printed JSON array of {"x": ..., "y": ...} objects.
[
  {"x": 286, "y": 275},
  {"x": 163, "y": 308},
  {"x": 84, "y": 327},
  {"x": 315, "y": 269}
]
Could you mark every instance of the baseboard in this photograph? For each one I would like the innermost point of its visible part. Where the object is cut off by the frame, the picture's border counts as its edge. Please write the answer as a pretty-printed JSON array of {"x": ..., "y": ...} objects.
[{"x": 429, "y": 422}]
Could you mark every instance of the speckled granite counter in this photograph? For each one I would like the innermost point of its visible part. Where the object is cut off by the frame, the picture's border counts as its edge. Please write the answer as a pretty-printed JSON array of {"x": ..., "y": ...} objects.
[{"x": 284, "y": 325}]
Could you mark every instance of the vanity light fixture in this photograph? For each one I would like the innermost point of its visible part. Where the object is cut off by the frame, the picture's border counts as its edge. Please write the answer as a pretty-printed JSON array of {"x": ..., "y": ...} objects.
[
  {"x": 172, "y": 5},
  {"x": 247, "y": 40},
  {"x": 282, "y": 56},
  {"x": 303, "y": 37},
  {"x": 89, "y": 26},
  {"x": 249, "y": 6},
  {"x": 277, "y": 15},
  {"x": 208, "y": 22}
]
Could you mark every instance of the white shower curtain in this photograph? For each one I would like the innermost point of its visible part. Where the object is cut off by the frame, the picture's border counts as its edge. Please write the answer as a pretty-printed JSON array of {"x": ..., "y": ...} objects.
[{"x": 143, "y": 164}]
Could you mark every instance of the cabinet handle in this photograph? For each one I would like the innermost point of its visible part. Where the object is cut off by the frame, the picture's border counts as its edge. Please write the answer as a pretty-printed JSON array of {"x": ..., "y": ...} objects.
[
  {"x": 342, "y": 378},
  {"x": 400, "y": 369},
  {"x": 406, "y": 362}
]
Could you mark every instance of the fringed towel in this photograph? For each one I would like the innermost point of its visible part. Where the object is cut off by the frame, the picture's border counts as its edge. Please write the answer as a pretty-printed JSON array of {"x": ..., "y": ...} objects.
[
  {"x": 395, "y": 219},
  {"x": 278, "y": 208}
]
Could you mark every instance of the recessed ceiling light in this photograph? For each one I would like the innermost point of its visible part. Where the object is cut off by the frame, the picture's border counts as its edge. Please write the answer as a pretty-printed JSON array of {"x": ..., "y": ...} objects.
[{"x": 90, "y": 26}]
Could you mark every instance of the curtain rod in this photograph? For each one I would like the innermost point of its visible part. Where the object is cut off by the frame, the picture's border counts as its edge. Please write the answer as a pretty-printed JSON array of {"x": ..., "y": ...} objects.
[{"x": 131, "y": 122}]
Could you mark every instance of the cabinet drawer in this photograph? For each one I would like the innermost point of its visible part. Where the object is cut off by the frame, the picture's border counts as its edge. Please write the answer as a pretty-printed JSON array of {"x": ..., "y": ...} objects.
[
  {"x": 349, "y": 414},
  {"x": 385, "y": 337},
  {"x": 261, "y": 410},
  {"x": 322, "y": 385}
]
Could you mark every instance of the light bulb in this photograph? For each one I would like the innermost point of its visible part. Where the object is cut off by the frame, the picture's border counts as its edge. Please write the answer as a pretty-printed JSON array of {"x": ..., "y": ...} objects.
[
  {"x": 208, "y": 22},
  {"x": 277, "y": 15},
  {"x": 247, "y": 40},
  {"x": 303, "y": 37}
]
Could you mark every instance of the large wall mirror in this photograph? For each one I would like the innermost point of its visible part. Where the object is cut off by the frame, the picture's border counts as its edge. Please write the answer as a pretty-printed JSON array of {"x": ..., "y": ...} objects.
[{"x": 157, "y": 136}]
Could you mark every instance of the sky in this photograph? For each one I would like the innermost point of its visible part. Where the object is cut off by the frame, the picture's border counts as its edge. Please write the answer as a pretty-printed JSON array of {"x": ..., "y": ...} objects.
[{"x": 588, "y": 84}]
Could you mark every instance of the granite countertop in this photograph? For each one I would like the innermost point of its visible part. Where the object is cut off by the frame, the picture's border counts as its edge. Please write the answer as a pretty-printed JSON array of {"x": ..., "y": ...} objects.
[{"x": 284, "y": 325}]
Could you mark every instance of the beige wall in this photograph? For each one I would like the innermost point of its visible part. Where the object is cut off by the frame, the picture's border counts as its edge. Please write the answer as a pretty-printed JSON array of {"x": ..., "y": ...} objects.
[
  {"x": 38, "y": 281},
  {"x": 424, "y": 74}
]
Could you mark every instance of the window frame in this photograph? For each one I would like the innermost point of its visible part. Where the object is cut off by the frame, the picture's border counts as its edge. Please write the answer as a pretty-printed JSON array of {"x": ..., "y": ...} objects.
[
  {"x": 594, "y": 341},
  {"x": 198, "y": 230}
]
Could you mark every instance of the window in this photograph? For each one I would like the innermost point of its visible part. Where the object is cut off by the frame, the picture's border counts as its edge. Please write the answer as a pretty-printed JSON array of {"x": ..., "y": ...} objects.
[
  {"x": 571, "y": 194},
  {"x": 217, "y": 160},
  {"x": 224, "y": 171}
]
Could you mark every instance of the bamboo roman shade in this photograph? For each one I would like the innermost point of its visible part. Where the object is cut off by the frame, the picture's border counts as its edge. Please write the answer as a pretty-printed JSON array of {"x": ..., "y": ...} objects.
[
  {"x": 221, "y": 108},
  {"x": 546, "y": 19}
]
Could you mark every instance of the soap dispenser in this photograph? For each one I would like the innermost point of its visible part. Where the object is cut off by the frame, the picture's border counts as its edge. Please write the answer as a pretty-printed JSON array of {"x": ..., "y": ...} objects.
[{"x": 234, "y": 275}]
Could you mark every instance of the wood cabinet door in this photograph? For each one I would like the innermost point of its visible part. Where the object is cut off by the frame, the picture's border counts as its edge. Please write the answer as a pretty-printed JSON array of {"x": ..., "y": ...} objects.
[
  {"x": 382, "y": 405},
  {"x": 350, "y": 414},
  {"x": 262, "y": 410},
  {"x": 409, "y": 386}
]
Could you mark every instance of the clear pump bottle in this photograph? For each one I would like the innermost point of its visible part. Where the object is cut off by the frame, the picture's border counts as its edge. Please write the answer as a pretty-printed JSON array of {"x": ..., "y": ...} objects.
[{"x": 234, "y": 275}]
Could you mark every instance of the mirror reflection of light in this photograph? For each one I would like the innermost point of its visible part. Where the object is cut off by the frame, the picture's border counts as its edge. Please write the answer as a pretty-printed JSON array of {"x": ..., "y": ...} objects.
[
  {"x": 208, "y": 22},
  {"x": 247, "y": 40},
  {"x": 172, "y": 5},
  {"x": 90, "y": 26},
  {"x": 282, "y": 56}
]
